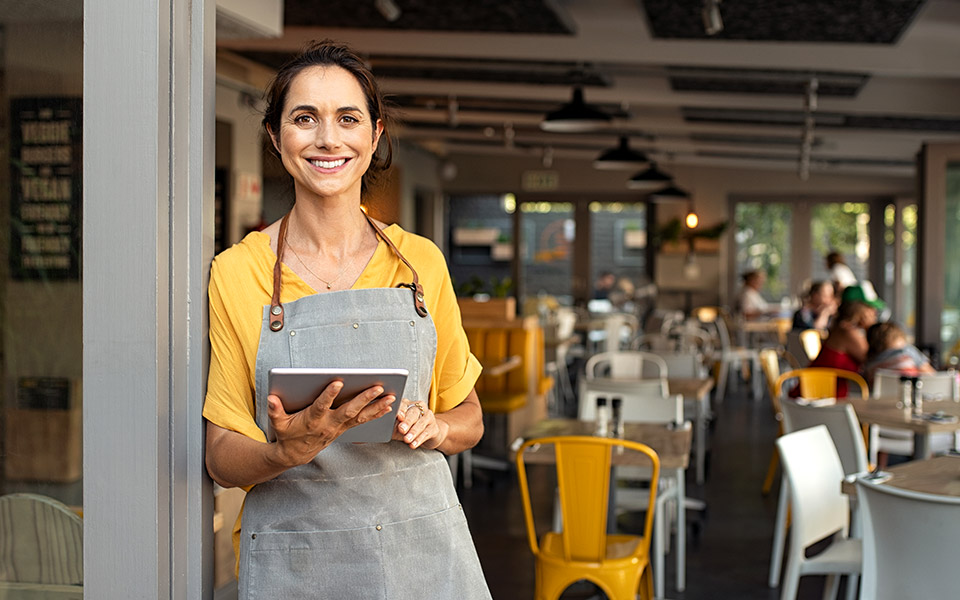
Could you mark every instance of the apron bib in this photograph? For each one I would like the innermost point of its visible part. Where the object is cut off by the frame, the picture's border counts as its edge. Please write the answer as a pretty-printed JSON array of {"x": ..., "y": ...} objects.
[{"x": 369, "y": 521}]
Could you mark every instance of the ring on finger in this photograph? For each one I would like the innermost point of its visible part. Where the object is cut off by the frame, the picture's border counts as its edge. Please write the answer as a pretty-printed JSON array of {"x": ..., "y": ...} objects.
[{"x": 419, "y": 406}]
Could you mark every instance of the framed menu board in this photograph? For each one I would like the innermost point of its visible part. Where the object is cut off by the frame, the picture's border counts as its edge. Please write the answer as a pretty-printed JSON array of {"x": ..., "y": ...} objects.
[{"x": 46, "y": 187}]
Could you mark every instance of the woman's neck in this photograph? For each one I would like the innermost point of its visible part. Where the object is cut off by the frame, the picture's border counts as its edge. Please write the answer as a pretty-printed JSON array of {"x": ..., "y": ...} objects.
[{"x": 331, "y": 226}]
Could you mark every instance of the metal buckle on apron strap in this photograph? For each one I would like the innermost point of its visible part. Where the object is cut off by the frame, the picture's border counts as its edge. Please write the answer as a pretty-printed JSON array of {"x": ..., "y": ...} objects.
[{"x": 418, "y": 297}]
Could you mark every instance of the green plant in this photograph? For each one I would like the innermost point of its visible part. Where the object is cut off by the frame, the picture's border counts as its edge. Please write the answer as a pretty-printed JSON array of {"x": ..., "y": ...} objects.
[{"x": 674, "y": 231}]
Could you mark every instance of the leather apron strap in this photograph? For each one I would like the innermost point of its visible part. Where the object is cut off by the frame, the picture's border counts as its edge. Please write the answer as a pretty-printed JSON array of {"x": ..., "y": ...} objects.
[{"x": 276, "y": 308}]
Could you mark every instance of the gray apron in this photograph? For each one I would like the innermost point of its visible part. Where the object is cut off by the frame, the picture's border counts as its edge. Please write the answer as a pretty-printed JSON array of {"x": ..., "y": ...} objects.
[{"x": 366, "y": 521}]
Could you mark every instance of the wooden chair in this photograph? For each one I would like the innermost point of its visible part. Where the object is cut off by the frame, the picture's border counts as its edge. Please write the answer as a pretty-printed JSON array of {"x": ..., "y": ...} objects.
[
  {"x": 42, "y": 543},
  {"x": 582, "y": 549},
  {"x": 512, "y": 389}
]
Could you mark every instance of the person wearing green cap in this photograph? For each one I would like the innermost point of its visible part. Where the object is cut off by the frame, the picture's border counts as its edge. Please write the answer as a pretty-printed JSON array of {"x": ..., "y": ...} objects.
[{"x": 863, "y": 292}]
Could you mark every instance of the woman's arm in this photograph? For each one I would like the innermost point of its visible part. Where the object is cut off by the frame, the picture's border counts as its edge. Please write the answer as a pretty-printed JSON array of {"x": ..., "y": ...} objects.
[
  {"x": 234, "y": 460},
  {"x": 450, "y": 432}
]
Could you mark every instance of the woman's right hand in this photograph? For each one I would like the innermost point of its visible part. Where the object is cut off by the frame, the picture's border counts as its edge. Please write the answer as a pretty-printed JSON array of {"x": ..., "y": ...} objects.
[{"x": 301, "y": 435}]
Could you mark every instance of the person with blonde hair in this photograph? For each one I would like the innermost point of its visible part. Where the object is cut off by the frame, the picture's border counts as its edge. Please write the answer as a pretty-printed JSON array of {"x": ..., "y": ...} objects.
[{"x": 889, "y": 350}]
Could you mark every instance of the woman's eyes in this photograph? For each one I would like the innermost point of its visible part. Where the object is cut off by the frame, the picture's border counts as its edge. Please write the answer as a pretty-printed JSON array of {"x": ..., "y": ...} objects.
[
  {"x": 304, "y": 121},
  {"x": 307, "y": 121}
]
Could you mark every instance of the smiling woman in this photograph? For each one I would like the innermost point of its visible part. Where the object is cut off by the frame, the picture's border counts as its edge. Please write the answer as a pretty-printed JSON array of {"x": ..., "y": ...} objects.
[{"x": 327, "y": 518}]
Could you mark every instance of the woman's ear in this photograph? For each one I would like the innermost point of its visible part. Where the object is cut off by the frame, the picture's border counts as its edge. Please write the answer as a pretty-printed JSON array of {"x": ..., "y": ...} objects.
[
  {"x": 273, "y": 139},
  {"x": 377, "y": 132}
]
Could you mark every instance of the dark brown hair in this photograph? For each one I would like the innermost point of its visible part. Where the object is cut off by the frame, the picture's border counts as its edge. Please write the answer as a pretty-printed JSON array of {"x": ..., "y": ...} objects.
[{"x": 325, "y": 53}]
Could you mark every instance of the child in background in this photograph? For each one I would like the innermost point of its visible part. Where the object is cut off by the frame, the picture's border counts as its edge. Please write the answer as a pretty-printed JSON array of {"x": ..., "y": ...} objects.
[{"x": 888, "y": 349}]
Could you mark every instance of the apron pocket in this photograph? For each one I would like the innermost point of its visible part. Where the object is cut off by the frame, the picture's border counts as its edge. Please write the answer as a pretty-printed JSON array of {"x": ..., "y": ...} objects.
[
  {"x": 433, "y": 557},
  {"x": 343, "y": 564}
]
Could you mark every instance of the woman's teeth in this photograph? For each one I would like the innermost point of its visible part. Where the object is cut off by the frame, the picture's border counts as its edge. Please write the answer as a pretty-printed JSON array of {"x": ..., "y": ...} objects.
[{"x": 328, "y": 164}]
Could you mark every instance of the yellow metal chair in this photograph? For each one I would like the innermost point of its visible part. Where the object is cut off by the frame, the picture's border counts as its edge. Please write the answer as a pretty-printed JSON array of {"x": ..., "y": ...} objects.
[
  {"x": 770, "y": 365},
  {"x": 618, "y": 564},
  {"x": 821, "y": 382}
]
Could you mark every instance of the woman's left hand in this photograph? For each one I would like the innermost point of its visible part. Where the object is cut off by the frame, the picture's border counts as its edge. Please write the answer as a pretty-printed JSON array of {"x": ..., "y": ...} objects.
[{"x": 418, "y": 426}]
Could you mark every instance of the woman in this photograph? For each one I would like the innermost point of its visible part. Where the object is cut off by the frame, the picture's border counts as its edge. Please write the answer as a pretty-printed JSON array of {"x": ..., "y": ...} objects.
[
  {"x": 819, "y": 306},
  {"x": 846, "y": 344},
  {"x": 320, "y": 288}
]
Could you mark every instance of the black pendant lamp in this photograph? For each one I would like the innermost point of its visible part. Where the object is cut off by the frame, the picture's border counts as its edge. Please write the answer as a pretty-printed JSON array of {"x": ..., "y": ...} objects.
[
  {"x": 574, "y": 116},
  {"x": 650, "y": 178},
  {"x": 670, "y": 193},
  {"x": 621, "y": 157}
]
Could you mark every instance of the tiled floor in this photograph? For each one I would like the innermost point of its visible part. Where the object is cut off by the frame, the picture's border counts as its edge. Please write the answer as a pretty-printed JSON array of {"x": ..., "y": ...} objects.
[{"x": 728, "y": 546}]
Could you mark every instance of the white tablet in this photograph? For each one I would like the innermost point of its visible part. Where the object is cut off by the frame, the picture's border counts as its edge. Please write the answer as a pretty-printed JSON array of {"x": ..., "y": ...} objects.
[{"x": 297, "y": 388}]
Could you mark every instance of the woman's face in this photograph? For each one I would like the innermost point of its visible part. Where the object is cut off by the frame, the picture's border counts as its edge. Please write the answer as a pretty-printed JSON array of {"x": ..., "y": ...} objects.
[
  {"x": 326, "y": 137},
  {"x": 823, "y": 296}
]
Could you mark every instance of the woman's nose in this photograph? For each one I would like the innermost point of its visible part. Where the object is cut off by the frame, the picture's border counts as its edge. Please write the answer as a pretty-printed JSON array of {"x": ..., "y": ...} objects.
[{"x": 327, "y": 136}]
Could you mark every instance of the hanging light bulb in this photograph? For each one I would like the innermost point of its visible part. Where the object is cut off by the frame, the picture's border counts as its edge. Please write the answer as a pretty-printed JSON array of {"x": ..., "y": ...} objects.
[{"x": 692, "y": 220}]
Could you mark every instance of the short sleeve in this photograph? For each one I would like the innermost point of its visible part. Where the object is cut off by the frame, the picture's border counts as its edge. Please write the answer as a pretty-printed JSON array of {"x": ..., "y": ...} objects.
[
  {"x": 456, "y": 369},
  {"x": 229, "y": 401}
]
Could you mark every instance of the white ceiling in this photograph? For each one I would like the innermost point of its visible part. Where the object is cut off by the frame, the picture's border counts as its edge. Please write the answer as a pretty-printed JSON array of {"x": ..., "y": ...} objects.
[{"x": 916, "y": 78}]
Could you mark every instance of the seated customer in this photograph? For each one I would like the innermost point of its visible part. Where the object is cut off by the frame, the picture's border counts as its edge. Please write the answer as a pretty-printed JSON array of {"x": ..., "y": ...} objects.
[
  {"x": 846, "y": 344},
  {"x": 889, "y": 350},
  {"x": 818, "y": 307},
  {"x": 750, "y": 304}
]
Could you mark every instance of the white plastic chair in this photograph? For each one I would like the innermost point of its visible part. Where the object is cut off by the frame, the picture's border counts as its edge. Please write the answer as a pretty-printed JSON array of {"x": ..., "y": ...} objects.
[
  {"x": 644, "y": 402},
  {"x": 886, "y": 387},
  {"x": 682, "y": 364},
  {"x": 625, "y": 364},
  {"x": 820, "y": 510},
  {"x": 844, "y": 428},
  {"x": 619, "y": 328},
  {"x": 715, "y": 319},
  {"x": 909, "y": 543}
]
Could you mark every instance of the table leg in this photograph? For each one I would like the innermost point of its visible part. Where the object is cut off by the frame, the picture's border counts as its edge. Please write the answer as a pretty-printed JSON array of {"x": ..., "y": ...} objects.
[
  {"x": 681, "y": 532},
  {"x": 921, "y": 446},
  {"x": 701, "y": 441}
]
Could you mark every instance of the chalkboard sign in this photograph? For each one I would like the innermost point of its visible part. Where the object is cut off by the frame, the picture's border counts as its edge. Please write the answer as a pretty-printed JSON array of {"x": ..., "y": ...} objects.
[
  {"x": 46, "y": 187},
  {"x": 43, "y": 393}
]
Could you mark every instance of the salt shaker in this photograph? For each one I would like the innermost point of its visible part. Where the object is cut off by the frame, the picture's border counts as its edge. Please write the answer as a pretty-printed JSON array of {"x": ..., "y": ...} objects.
[
  {"x": 603, "y": 417},
  {"x": 917, "y": 397},
  {"x": 906, "y": 392}
]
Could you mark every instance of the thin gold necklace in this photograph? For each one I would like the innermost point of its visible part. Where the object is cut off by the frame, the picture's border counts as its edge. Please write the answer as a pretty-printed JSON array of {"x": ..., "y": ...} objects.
[{"x": 330, "y": 283}]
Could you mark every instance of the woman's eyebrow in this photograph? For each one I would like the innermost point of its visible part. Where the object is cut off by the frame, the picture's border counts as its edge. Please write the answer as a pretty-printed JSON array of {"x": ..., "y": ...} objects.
[{"x": 311, "y": 108}]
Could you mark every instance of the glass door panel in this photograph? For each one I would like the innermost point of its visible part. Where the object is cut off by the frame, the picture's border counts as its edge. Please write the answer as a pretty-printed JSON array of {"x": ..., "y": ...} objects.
[
  {"x": 950, "y": 317},
  {"x": 548, "y": 233},
  {"x": 41, "y": 130},
  {"x": 618, "y": 250},
  {"x": 842, "y": 227},
  {"x": 762, "y": 240}
]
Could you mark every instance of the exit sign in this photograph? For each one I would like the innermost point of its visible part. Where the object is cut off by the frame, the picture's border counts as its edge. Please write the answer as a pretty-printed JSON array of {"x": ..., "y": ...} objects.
[{"x": 539, "y": 180}]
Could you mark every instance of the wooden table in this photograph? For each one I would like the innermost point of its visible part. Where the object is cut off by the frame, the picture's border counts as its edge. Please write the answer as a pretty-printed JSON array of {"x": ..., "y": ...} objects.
[
  {"x": 884, "y": 412},
  {"x": 778, "y": 326},
  {"x": 693, "y": 389},
  {"x": 672, "y": 445},
  {"x": 939, "y": 475}
]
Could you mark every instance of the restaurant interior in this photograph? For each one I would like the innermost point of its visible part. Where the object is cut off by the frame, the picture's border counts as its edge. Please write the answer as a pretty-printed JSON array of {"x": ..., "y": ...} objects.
[{"x": 606, "y": 179}]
